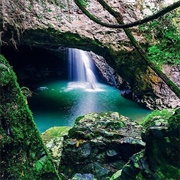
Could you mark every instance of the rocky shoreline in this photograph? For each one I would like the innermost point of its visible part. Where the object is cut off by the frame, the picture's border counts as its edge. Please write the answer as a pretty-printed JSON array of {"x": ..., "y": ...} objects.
[{"x": 111, "y": 146}]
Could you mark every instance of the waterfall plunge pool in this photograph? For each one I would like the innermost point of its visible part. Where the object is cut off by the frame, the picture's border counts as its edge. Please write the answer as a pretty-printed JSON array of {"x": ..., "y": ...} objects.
[{"x": 59, "y": 103}]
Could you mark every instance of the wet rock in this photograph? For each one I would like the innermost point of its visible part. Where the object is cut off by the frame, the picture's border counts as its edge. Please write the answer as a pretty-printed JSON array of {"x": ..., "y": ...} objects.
[
  {"x": 160, "y": 96},
  {"x": 100, "y": 171},
  {"x": 111, "y": 153},
  {"x": 84, "y": 151}
]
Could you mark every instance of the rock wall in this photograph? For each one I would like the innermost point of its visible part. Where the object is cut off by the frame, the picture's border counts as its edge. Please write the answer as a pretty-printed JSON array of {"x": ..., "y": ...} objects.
[{"x": 139, "y": 82}]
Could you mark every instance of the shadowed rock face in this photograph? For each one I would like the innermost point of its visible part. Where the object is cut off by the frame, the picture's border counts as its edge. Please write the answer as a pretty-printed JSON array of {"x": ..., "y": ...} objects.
[
  {"x": 160, "y": 159},
  {"x": 100, "y": 144},
  {"x": 48, "y": 25}
]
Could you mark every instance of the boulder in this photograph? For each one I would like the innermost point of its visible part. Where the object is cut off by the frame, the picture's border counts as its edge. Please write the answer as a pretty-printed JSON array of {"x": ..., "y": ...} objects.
[
  {"x": 160, "y": 159},
  {"x": 53, "y": 139},
  {"x": 99, "y": 144}
]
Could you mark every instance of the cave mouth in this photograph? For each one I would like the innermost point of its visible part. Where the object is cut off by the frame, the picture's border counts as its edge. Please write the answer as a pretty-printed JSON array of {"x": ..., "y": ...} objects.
[{"x": 53, "y": 103}]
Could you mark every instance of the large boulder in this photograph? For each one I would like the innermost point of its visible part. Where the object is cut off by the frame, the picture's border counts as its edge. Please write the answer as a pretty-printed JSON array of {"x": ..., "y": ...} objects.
[{"x": 100, "y": 144}]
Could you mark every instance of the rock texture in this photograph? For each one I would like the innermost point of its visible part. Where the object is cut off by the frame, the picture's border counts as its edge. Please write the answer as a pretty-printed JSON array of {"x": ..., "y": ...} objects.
[
  {"x": 111, "y": 77},
  {"x": 152, "y": 93},
  {"x": 100, "y": 144},
  {"x": 53, "y": 139},
  {"x": 160, "y": 159},
  {"x": 158, "y": 95}
]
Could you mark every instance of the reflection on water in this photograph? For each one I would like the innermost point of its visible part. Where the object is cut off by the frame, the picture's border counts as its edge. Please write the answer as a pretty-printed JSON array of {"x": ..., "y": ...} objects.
[{"x": 59, "y": 103}]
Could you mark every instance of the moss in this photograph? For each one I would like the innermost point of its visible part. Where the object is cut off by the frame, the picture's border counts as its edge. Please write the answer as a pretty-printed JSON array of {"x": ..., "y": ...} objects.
[
  {"x": 159, "y": 160},
  {"x": 78, "y": 119},
  {"x": 174, "y": 121},
  {"x": 115, "y": 125},
  {"x": 21, "y": 145},
  {"x": 116, "y": 175},
  {"x": 55, "y": 132},
  {"x": 150, "y": 119},
  {"x": 139, "y": 176},
  {"x": 164, "y": 144},
  {"x": 55, "y": 37}
]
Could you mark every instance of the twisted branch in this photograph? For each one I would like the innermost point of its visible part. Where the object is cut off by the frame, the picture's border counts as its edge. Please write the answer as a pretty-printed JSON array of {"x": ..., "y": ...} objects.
[{"x": 142, "y": 21}]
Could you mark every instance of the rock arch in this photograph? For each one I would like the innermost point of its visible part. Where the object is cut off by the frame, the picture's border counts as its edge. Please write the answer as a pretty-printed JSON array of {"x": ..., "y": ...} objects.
[{"x": 48, "y": 25}]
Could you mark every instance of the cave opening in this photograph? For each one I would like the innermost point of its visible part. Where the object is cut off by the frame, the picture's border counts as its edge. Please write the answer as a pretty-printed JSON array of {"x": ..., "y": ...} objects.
[{"x": 55, "y": 101}]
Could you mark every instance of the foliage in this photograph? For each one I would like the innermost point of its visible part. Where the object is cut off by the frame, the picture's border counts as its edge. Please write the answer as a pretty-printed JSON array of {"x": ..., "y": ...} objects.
[
  {"x": 164, "y": 39},
  {"x": 165, "y": 114},
  {"x": 116, "y": 175},
  {"x": 55, "y": 132},
  {"x": 84, "y": 2}
]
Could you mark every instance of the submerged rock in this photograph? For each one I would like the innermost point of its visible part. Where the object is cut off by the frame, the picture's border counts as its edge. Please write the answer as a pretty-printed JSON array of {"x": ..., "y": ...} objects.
[{"x": 100, "y": 144}]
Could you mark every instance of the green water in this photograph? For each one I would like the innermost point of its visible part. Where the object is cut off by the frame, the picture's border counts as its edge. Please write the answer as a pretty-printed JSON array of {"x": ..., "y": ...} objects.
[{"x": 59, "y": 103}]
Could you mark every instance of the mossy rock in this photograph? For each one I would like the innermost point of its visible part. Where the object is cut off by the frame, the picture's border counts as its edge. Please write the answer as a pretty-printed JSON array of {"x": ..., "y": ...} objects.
[
  {"x": 55, "y": 132},
  {"x": 157, "y": 116},
  {"x": 98, "y": 141},
  {"x": 159, "y": 160},
  {"x": 23, "y": 154}
]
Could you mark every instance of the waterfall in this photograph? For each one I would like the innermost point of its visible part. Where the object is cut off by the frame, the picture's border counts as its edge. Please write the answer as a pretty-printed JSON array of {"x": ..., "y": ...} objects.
[{"x": 81, "y": 68}]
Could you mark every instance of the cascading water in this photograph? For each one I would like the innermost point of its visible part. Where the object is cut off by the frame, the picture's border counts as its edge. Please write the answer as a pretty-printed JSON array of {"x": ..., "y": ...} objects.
[{"x": 81, "y": 68}]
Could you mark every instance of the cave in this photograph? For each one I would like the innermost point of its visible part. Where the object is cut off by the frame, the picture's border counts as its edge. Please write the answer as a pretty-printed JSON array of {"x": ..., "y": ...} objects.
[
  {"x": 53, "y": 98},
  {"x": 32, "y": 64}
]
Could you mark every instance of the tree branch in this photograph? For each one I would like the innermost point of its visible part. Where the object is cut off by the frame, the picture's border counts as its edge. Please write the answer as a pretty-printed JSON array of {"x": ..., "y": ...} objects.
[
  {"x": 147, "y": 19},
  {"x": 141, "y": 52}
]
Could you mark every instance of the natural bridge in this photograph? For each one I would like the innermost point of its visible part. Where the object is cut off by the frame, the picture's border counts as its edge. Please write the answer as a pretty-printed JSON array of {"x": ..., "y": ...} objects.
[{"x": 50, "y": 26}]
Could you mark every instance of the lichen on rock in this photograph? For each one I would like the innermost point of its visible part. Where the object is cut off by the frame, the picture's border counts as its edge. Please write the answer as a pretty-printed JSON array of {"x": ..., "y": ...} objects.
[{"x": 53, "y": 139}]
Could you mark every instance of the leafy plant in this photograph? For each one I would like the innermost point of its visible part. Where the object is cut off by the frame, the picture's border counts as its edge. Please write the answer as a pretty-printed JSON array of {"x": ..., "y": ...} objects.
[
  {"x": 84, "y": 2},
  {"x": 164, "y": 39}
]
